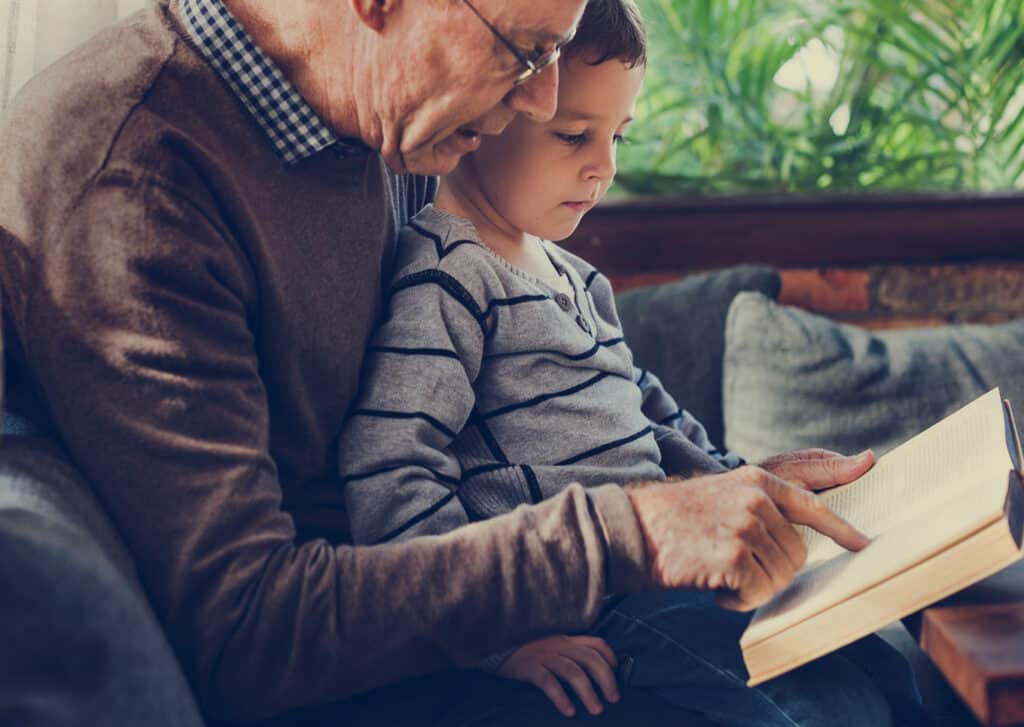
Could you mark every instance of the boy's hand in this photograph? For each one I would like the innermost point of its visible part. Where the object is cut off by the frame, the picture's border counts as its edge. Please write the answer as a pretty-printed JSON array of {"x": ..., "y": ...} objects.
[{"x": 579, "y": 661}]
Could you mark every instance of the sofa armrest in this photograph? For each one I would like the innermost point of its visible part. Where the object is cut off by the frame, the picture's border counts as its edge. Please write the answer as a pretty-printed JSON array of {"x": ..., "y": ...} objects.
[{"x": 81, "y": 643}]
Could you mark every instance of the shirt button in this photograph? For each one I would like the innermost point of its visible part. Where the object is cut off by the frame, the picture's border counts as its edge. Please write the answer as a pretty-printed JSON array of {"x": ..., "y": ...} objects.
[{"x": 563, "y": 301}]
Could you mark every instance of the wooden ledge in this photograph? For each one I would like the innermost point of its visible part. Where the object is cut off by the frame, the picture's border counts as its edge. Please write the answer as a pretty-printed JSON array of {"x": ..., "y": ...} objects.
[{"x": 650, "y": 235}]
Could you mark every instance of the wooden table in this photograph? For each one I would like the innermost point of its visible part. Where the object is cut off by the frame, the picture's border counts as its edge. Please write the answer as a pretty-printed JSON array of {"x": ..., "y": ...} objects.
[{"x": 976, "y": 639}]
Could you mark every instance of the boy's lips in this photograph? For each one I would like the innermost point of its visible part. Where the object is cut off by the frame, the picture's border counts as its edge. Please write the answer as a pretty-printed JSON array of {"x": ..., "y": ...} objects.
[{"x": 580, "y": 205}]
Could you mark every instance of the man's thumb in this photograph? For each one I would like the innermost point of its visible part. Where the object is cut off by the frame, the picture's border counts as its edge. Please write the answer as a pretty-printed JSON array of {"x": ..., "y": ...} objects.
[{"x": 842, "y": 470}]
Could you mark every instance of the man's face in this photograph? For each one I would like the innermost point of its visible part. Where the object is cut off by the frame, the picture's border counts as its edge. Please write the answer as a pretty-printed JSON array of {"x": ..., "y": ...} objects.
[
  {"x": 451, "y": 79},
  {"x": 541, "y": 178}
]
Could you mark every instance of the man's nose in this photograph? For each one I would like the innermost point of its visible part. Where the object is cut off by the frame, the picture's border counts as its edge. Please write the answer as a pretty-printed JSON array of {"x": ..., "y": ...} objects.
[{"x": 537, "y": 97}]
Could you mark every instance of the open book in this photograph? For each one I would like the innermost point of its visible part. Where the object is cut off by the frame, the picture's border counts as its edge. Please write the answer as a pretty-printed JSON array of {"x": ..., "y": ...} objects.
[{"x": 944, "y": 510}]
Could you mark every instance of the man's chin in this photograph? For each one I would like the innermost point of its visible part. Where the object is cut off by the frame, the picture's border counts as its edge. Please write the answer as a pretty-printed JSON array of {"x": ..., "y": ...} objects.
[{"x": 431, "y": 161}]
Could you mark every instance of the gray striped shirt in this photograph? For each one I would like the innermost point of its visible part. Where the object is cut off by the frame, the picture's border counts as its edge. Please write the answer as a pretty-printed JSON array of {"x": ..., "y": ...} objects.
[{"x": 486, "y": 388}]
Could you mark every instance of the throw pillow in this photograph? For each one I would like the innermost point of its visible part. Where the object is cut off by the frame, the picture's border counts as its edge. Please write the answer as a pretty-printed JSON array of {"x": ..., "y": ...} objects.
[
  {"x": 794, "y": 379},
  {"x": 676, "y": 331}
]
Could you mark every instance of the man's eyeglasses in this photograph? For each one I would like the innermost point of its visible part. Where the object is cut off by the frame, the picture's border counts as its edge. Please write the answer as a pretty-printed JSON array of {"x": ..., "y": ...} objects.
[{"x": 532, "y": 64}]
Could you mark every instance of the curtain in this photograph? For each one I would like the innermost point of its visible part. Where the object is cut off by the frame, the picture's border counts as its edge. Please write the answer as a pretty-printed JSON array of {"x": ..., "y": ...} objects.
[{"x": 35, "y": 33}]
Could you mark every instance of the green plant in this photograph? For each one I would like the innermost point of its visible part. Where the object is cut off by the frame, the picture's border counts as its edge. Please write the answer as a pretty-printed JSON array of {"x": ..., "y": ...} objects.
[{"x": 841, "y": 95}]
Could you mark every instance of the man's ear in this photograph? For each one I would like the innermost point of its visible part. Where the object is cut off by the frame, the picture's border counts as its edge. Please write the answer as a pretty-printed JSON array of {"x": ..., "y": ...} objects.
[{"x": 374, "y": 13}]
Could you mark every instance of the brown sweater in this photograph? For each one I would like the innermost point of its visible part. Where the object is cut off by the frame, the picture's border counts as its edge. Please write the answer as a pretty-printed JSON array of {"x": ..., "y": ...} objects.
[{"x": 192, "y": 315}]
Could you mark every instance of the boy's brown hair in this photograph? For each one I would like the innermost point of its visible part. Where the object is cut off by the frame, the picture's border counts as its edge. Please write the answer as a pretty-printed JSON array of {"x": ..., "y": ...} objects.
[{"x": 610, "y": 29}]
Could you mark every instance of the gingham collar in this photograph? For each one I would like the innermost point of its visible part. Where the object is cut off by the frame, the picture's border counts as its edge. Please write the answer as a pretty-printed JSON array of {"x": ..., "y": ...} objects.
[{"x": 291, "y": 125}]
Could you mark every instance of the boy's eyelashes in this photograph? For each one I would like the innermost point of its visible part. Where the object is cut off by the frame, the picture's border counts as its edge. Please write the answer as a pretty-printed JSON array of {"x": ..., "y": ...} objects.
[
  {"x": 581, "y": 138},
  {"x": 571, "y": 139}
]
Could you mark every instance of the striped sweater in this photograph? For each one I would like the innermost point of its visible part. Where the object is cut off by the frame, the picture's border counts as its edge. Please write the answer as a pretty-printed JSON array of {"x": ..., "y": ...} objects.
[{"x": 486, "y": 388}]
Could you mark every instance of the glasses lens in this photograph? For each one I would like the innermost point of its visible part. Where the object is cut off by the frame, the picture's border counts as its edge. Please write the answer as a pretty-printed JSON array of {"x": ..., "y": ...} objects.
[
  {"x": 538, "y": 64},
  {"x": 523, "y": 77}
]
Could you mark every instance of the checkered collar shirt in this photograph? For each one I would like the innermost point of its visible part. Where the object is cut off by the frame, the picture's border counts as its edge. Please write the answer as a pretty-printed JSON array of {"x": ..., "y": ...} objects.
[{"x": 291, "y": 125}]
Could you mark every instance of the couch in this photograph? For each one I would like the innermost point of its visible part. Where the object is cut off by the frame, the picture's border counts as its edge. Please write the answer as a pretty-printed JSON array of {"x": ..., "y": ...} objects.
[
  {"x": 767, "y": 378},
  {"x": 81, "y": 644}
]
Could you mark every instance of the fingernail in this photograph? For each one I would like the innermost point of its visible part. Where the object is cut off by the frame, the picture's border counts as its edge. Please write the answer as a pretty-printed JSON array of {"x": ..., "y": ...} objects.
[{"x": 865, "y": 454}]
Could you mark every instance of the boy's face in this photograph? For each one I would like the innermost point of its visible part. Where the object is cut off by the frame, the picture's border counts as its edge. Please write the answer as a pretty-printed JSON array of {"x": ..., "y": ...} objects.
[{"x": 541, "y": 178}]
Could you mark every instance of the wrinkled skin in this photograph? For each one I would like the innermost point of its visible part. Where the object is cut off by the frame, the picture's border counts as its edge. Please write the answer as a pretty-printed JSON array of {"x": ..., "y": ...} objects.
[{"x": 734, "y": 533}]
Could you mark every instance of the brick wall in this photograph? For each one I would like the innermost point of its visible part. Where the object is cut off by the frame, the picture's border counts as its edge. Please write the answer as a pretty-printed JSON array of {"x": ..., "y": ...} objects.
[
  {"x": 878, "y": 261},
  {"x": 893, "y": 296}
]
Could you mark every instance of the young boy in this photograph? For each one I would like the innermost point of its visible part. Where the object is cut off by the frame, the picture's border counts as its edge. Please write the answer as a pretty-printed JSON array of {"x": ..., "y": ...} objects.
[{"x": 500, "y": 377}]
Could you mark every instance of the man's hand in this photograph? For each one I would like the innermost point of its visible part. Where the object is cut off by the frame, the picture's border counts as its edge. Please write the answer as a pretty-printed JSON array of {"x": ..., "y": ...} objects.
[
  {"x": 577, "y": 661},
  {"x": 733, "y": 532},
  {"x": 819, "y": 469}
]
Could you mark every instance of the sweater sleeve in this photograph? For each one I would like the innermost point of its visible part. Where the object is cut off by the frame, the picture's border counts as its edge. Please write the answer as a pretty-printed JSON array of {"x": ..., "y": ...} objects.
[
  {"x": 139, "y": 322},
  {"x": 399, "y": 476},
  {"x": 683, "y": 441}
]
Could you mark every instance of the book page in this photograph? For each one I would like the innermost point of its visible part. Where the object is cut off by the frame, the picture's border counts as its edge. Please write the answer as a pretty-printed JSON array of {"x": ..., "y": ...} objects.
[
  {"x": 967, "y": 447},
  {"x": 833, "y": 581},
  {"x": 927, "y": 494}
]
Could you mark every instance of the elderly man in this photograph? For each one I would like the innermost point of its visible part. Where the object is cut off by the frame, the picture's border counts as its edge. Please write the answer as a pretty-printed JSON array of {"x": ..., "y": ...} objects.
[{"x": 196, "y": 210}]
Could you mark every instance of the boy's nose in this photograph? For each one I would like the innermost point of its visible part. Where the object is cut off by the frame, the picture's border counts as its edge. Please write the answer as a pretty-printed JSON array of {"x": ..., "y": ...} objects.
[
  {"x": 537, "y": 97},
  {"x": 603, "y": 166}
]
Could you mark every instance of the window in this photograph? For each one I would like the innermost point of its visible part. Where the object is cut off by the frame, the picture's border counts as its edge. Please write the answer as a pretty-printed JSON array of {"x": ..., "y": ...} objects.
[{"x": 812, "y": 96}]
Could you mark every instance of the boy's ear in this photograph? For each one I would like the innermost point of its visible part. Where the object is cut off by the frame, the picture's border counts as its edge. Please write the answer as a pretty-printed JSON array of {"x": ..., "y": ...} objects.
[{"x": 374, "y": 13}]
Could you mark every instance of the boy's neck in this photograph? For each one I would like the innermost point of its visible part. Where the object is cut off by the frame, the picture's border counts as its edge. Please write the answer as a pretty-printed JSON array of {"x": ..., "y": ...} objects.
[
  {"x": 495, "y": 231},
  {"x": 519, "y": 248}
]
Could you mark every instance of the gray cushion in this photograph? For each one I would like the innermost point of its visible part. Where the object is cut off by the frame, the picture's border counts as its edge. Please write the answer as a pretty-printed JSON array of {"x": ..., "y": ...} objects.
[
  {"x": 676, "y": 331},
  {"x": 794, "y": 379},
  {"x": 81, "y": 645}
]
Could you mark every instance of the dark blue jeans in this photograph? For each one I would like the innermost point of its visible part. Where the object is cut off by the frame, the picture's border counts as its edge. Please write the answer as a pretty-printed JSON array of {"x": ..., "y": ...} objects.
[
  {"x": 684, "y": 648},
  {"x": 476, "y": 699}
]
